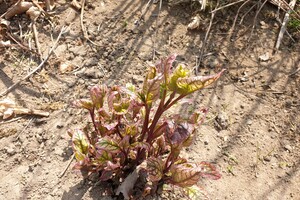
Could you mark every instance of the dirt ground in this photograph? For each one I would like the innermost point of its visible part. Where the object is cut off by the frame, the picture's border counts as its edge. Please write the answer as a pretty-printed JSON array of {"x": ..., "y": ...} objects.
[{"x": 252, "y": 132}]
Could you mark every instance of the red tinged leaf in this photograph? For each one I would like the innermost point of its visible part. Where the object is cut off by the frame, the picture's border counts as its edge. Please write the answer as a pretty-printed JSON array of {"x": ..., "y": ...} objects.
[
  {"x": 80, "y": 144},
  {"x": 188, "y": 85},
  {"x": 108, "y": 144},
  {"x": 209, "y": 171},
  {"x": 152, "y": 86},
  {"x": 185, "y": 175},
  {"x": 97, "y": 94},
  {"x": 84, "y": 103},
  {"x": 181, "y": 134},
  {"x": 155, "y": 168}
]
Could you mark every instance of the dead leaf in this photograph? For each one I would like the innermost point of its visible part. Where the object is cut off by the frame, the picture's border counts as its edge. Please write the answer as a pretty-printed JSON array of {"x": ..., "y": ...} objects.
[
  {"x": 33, "y": 13},
  {"x": 66, "y": 67},
  {"x": 8, "y": 113},
  {"x": 5, "y": 43},
  {"x": 4, "y": 22},
  {"x": 9, "y": 108},
  {"x": 195, "y": 23},
  {"x": 17, "y": 9},
  {"x": 128, "y": 184},
  {"x": 49, "y": 4},
  {"x": 76, "y": 5},
  {"x": 265, "y": 57}
]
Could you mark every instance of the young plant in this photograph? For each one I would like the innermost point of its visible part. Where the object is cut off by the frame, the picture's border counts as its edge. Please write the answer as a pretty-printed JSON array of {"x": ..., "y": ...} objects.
[{"x": 129, "y": 138}]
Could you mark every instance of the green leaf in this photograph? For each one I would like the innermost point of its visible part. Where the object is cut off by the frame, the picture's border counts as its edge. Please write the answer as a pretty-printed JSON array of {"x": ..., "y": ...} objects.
[
  {"x": 121, "y": 108},
  {"x": 179, "y": 72},
  {"x": 155, "y": 167},
  {"x": 185, "y": 175},
  {"x": 189, "y": 85},
  {"x": 80, "y": 144}
]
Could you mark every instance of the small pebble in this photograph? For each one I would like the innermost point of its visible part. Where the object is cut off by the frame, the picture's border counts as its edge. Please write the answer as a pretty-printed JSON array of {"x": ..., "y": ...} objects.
[{"x": 288, "y": 148}]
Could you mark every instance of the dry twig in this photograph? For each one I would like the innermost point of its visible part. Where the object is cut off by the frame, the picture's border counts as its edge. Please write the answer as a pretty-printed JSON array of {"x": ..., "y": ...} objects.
[
  {"x": 68, "y": 165},
  {"x": 255, "y": 18},
  {"x": 205, "y": 40},
  {"x": 284, "y": 24},
  {"x": 38, "y": 67},
  {"x": 235, "y": 19},
  {"x": 227, "y": 5},
  {"x": 83, "y": 29},
  {"x": 156, "y": 26}
]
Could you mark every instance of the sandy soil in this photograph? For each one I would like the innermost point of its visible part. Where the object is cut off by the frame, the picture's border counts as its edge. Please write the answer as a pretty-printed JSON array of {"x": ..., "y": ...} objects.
[{"x": 252, "y": 133}]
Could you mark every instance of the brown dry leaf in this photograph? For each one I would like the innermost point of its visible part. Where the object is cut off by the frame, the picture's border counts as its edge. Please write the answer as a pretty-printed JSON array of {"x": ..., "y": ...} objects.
[
  {"x": 4, "y": 22},
  {"x": 9, "y": 108},
  {"x": 33, "y": 13},
  {"x": 49, "y": 4},
  {"x": 19, "y": 8},
  {"x": 6, "y": 108},
  {"x": 76, "y": 5},
  {"x": 66, "y": 67},
  {"x": 5, "y": 43},
  {"x": 195, "y": 23}
]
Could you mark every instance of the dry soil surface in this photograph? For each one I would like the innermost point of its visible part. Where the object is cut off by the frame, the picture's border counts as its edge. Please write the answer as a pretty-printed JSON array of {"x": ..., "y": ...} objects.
[{"x": 252, "y": 132}]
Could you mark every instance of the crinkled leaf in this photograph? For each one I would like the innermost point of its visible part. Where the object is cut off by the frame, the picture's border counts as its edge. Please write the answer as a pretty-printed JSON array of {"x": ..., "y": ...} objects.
[
  {"x": 165, "y": 65},
  {"x": 185, "y": 175},
  {"x": 152, "y": 84},
  {"x": 179, "y": 72},
  {"x": 130, "y": 130},
  {"x": 107, "y": 129},
  {"x": 84, "y": 103},
  {"x": 181, "y": 134},
  {"x": 124, "y": 143},
  {"x": 121, "y": 108},
  {"x": 142, "y": 145},
  {"x": 103, "y": 114},
  {"x": 102, "y": 157},
  {"x": 97, "y": 94},
  {"x": 80, "y": 144},
  {"x": 161, "y": 144},
  {"x": 113, "y": 96},
  {"x": 209, "y": 171},
  {"x": 189, "y": 85},
  {"x": 155, "y": 167},
  {"x": 108, "y": 144}
]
